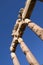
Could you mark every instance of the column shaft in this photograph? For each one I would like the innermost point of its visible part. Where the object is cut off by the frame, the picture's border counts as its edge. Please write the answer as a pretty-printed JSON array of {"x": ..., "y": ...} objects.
[
  {"x": 30, "y": 58},
  {"x": 35, "y": 28},
  {"x": 28, "y": 8},
  {"x": 15, "y": 59}
]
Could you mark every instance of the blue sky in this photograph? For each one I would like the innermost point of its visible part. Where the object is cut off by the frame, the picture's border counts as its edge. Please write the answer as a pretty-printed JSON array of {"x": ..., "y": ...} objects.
[{"x": 8, "y": 14}]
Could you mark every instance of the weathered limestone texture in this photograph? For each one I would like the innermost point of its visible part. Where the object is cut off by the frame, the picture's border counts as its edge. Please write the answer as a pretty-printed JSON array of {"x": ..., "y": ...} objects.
[
  {"x": 19, "y": 28},
  {"x": 31, "y": 59},
  {"x": 28, "y": 8},
  {"x": 15, "y": 59},
  {"x": 35, "y": 28}
]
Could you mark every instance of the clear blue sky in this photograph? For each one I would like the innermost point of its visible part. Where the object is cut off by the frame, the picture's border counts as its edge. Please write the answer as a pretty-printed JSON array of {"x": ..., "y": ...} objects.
[{"x": 8, "y": 14}]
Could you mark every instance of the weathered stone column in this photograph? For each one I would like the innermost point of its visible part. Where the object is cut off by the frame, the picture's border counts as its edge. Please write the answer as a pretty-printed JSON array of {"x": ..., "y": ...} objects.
[
  {"x": 34, "y": 27},
  {"x": 31, "y": 59},
  {"x": 15, "y": 59},
  {"x": 28, "y": 8},
  {"x": 14, "y": 44},
  {"x": 16, "y": 27}
]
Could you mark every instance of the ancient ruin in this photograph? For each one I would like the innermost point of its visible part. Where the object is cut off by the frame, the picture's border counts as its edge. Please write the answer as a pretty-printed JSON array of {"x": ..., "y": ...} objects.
[{"x": 19, "y": 28}]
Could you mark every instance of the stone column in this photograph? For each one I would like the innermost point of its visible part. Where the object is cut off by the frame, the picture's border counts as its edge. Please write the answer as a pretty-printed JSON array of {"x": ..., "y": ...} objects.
[
  {"x": 15, "y": 59},
  {"x": 16, "y": 27},
  {"x": 14, "y": 44},
  {"x": 28, "y": 8},
  {"x": 34, "y": 27},
  {"x": 30, "y": 58}
]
